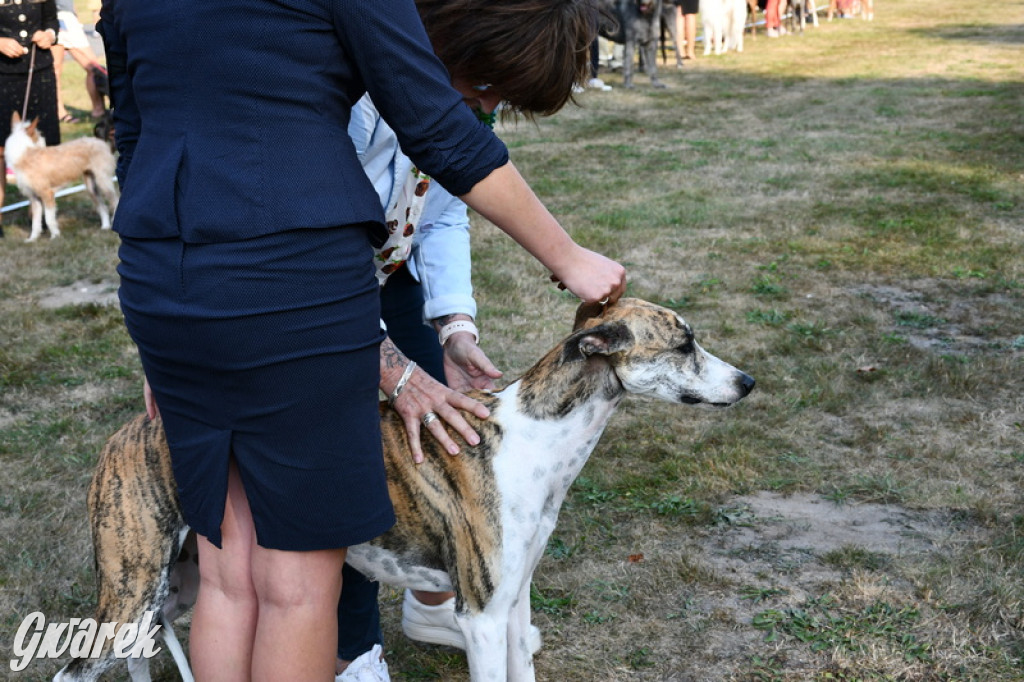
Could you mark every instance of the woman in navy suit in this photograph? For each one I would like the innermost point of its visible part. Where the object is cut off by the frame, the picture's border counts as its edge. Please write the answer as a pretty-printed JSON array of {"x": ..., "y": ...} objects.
[{"x": 247, "y": 282}]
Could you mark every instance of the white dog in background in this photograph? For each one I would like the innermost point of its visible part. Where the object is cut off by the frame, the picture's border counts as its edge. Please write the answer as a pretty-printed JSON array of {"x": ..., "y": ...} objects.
[
  {"x": 40, "y": 171},
  {"x": 723, "y": 22}
]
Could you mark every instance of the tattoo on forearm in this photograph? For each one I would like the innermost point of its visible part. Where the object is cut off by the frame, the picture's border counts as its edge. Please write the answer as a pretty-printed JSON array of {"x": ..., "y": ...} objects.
[{"x": 391, "y": 355}]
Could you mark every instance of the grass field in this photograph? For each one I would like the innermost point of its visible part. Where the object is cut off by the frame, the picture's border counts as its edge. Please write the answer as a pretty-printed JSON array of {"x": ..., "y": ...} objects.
[{"x": 840, "y": 214}]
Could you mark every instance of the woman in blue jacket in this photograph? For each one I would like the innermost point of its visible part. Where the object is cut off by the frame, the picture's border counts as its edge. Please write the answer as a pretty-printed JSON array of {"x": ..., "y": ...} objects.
[{"x": 247, "y": 282}]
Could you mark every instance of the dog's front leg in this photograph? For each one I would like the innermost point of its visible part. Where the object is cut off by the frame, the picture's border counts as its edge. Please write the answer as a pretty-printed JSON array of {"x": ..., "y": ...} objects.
[
  {"x": 650, "y": 50},
  {"x": 520, "y": 658},
  {"x": 35, "y": 209},
  {"x": 486, "y": 648},
  {"x": 628, "y": 57}
]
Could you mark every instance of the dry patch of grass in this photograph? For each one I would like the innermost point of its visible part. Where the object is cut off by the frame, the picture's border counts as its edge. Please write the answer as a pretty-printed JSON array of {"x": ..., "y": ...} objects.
[{"x": 840, "y": 214}]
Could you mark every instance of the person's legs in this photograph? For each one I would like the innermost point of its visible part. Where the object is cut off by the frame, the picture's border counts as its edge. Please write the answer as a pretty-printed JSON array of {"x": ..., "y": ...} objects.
[
  {"x": 262, "y": 614},
  {"x": 690, "y": 35},
  {"x": 3, "y": 189},
  {"x": 296, "y": 634},
  {"x": 771, "y": 18},
  {"x": 358, "y": 617},
  {"x": 91, "y": 63},
  {"x": 226, "y": 610},
  {"x": 58, "y": 68}
]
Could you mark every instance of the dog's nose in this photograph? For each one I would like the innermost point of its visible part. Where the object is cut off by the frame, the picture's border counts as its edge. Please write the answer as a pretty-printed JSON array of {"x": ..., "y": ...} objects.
[{"x": 746, "y": 383}]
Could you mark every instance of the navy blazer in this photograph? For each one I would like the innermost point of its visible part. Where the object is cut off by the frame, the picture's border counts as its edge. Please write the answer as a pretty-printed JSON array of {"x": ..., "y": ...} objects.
[{"x": 232, "y": 116}]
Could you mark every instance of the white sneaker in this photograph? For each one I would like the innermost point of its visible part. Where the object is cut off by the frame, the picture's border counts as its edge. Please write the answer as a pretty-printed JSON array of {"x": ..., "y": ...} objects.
[
  {"x": 772, "y": 33},
  {"x": 369, "y": 667},
  {"x": 436, "y": 624},
  {"x": 598, "y": 84}
]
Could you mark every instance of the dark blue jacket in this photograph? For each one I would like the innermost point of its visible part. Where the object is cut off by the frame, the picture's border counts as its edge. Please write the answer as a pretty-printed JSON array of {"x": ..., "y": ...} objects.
[{"x": 232, "y": 115}]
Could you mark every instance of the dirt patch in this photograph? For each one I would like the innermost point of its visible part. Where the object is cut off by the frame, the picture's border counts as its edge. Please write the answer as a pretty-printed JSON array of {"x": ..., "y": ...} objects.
[
  {"x": 785, "y": 538},
  {"x": 931, "y": 317},
  {"x": 80, "y": 293}
]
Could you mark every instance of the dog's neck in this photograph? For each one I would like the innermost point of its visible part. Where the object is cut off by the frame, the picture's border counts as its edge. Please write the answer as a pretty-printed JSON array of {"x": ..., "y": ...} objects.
[{"x": 566, "y": 380}]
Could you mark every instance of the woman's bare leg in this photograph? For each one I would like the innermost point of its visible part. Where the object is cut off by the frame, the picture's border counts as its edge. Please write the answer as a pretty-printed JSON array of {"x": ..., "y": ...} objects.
[
  {"x": 297, "y": 633},
  {"x": 224, "y": 620}
]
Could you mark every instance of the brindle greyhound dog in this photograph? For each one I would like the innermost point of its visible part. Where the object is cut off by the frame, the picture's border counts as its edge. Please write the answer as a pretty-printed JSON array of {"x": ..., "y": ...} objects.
[{"x": 477, "y": 523}]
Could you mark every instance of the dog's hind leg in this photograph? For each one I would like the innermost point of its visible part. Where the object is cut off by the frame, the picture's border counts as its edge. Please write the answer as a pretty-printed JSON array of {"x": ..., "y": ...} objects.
[
  {"x": 98, "y": 200},
  {"x": 171, "y": 640},
  {"x": 138, "y": 669}
]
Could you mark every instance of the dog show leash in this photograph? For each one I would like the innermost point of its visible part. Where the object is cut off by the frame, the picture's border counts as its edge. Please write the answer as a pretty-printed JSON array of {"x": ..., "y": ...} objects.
[{"x": 28, "y": 85}]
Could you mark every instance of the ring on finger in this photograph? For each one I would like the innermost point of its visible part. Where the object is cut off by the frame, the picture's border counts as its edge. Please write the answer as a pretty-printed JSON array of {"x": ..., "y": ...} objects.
[{"x": 429, "y": 418}]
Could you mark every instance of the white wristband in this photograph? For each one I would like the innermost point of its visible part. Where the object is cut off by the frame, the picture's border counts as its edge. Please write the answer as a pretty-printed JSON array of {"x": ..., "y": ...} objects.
[{"x": 458, "y": 326}]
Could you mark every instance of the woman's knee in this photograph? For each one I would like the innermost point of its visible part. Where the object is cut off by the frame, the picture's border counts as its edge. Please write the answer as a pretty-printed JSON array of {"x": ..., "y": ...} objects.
[{"x": 296, "y": 579}]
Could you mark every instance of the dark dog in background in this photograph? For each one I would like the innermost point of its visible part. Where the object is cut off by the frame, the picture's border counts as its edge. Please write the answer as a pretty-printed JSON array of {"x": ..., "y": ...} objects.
[
  {"x": 638, "y": 28},
  {"x": 799, "y": 13}
]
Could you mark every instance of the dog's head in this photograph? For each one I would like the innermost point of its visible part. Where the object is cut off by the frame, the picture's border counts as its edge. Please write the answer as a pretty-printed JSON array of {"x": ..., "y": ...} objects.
[
  {"x": 652, "y": 352},
  {"x": 28, "y": 130}
]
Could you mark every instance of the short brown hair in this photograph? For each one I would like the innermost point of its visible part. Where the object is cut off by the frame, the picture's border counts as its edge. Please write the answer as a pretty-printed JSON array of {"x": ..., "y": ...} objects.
[{"x": 532, "y": 51}]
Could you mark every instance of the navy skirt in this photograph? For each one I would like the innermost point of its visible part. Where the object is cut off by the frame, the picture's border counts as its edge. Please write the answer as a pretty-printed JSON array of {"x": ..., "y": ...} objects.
[{"x": 266, "y": 351}]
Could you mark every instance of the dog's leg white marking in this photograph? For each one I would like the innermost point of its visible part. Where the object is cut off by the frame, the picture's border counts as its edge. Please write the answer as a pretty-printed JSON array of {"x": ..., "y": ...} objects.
[
  {"x": 486, "y": 651},
  {"x": 520, "y": 658},
  {"x": 138, "y": 669},
  {"x": 35, "y": 208},
  {"x": 176, "y": 651},
  {"x": 51, "y": 218}
]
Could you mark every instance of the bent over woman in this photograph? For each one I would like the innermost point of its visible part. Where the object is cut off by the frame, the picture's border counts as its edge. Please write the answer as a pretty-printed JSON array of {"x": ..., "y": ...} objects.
[{"x": 247, "y": 283}]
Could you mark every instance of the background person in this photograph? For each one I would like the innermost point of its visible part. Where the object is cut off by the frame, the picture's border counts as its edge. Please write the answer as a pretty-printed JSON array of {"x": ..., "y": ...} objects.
[
  {"x": 22, "y": 27},
  {"x": 248, "y": 285},
  {"x": 432, "y": 279},
  {"x": 71, "y": 37}
]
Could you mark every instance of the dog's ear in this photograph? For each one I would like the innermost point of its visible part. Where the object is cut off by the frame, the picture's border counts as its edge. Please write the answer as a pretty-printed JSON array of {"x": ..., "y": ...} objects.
[
  {"x": 587, "y": 311},
  {"x": 32, "y": 126},
  {"x": 15, "y": 118},
  {"x": 604, "y": 339}
]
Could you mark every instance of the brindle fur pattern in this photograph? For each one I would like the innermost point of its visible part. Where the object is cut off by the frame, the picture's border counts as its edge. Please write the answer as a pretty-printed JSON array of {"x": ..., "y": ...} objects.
[
  {"x": 137, "y": 533},
  {"x": 477, "y": 522},
  {"x": 448, "y": 509}
]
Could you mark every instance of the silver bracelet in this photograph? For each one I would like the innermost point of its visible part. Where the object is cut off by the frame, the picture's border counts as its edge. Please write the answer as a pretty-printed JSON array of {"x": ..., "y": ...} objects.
[{"x": 402, "y": 382}]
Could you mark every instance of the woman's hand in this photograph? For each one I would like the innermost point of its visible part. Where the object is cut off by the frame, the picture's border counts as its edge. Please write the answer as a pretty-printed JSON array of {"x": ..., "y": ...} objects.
[
  {"x": 422, "y": 395},
  {"x": 466, "y": 366},
  {"x": 152, "y": 411},
  {"x": 9, "y": 47},
  {"x": 504, "y": 198},
  {"x": 44, "y": 40},
  {"x": 591, "y": 277}
]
